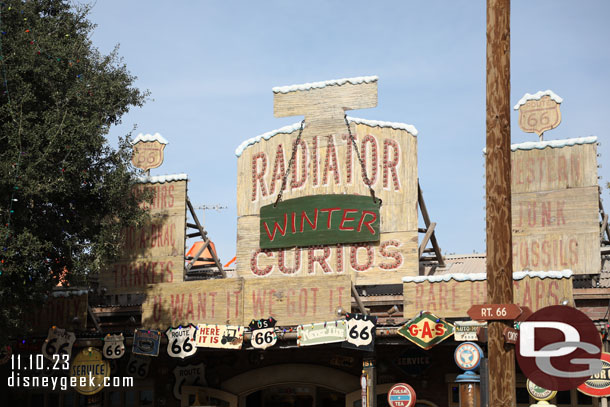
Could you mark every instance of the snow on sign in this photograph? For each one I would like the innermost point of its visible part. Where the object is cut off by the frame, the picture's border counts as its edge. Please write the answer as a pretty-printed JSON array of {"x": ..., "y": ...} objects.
[
  {"x": 401, "y": 395},
  {"x": 539, "y": 112},
  {"x": 148, "y": 151},
  {"x": 58, "y": 342},
  {"x": 181, "y": 341},
  {"x": 219, "y": 336}
]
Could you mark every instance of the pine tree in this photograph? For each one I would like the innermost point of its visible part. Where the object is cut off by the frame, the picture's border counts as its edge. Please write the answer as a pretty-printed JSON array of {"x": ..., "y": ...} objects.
[{"x": 64, "y": 191}]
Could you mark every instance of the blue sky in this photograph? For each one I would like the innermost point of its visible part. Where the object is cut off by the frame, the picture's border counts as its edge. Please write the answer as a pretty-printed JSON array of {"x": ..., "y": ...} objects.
[{"x": 210, "y": 67}]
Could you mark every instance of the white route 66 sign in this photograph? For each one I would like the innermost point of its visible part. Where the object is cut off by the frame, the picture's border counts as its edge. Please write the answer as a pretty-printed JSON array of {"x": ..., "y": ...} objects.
[
  {"x": 114, "y": 346},
  {"x": 263, "y": 333},
  {"x": 181, "y": 341},
  {"x": 360, "y": 329},
  {"x": 138, "y": 366},
  {"x": 58, "y": 342},
  {"x": 189, "y": 375}
]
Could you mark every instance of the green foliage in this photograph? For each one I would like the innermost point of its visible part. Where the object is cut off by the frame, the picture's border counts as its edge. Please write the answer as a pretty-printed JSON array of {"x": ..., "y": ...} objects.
[{"x": 64, "y": 192}]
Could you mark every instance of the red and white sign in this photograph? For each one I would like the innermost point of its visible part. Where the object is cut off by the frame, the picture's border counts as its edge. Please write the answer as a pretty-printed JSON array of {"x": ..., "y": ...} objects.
[
  {"x": 598, "y": 385},
  {"x": 401, "y": 395}
]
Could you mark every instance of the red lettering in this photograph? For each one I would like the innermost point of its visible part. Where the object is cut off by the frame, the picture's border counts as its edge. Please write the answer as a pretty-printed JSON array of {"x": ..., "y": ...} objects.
[
  {"x": 367, "y": 223},
  {"x": 330, "y": 214},
  {"x": 346, "y": 219},
  {"x": 259, "y": 176},
  {"x": 276, "y": 227}
]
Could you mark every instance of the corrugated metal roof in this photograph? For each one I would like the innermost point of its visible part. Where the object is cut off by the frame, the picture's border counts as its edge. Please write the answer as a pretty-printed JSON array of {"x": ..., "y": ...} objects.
[{"x": 470, "y": 263}]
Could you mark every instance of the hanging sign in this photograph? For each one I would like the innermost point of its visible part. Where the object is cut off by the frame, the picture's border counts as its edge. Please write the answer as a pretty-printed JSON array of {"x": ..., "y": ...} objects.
[
  {"x": 468, "y": 356},
  {"x": 494, "y": 312},
  {"x": 599, "y": 384},
  {"x": 511, "y": 335},
  {"x": 138, "y": 366},
  {"x": 146, "y": 342},
  {"x": 319, "y": 220},
  {"x": 114, "y": 346},
  {"x": 539, "y": 112},
  {"x": 189, "y": 375},
  {"x": 539, "y": 393},
  {"x": 321, "y": 332},
  {"x": 426, "y": 330},
  {"x": 263, "y": 333},
  {"x": 467, "y": 330},
  {"x": 360, "y": 332},
  {"x": 181, "y": 341},
  {"x": 220, "y": 336},
  {"x": 58, "y": 342},
  {"x": 401, "y": 395},
  {"x": 90, "y": 369}
]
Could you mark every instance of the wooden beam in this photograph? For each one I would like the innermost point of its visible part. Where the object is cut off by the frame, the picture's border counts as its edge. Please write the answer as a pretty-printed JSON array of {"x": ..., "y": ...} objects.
[
  {"x": 426, "y": 238},
  {"x": 424, "y": 213},
  {"x": 358, "y": 299},
  {"x": 206, "y": 240},
  {"x": 94, "y": 319}
]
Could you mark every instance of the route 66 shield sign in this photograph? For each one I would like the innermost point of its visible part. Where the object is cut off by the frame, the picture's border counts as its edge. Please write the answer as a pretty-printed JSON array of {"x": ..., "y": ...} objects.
[
  {"x": 114, "y": 346},
  {"x": 181, "y": 341},
  {"x": 360, "y": 332},
  {"x": 188, "y": 375},
  {"x": 58, "y": 342},
  {"x": 138, "y": 366},
  {"x": 148, "y": 151},
  {"x": 539, "y": 112},
  {"x": 263, "y": 333}
]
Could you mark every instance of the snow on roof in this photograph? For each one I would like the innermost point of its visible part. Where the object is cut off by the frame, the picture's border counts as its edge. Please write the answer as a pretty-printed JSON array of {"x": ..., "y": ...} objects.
[
  {"x": 518, "y": 275},
  {"x": 67, "y": 292},
  {"x": 332, "y": 82},
  {"x": 150, "y": 137},
  {"x": 161, "y": 179},
  {"x": 293, "y": 127},
  {"x": 539, "y": 145},
  {"x": 537, "y": 96}
]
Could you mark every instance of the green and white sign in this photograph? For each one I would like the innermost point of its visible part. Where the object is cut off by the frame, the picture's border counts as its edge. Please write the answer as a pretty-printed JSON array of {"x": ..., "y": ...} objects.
[{"x": 321, "y": 333}]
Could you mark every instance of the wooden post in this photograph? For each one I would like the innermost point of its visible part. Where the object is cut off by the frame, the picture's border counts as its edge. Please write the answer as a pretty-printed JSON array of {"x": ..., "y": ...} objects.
[
  {"x": 368, "y": 369},
  {"x": 498, "y": 200}
]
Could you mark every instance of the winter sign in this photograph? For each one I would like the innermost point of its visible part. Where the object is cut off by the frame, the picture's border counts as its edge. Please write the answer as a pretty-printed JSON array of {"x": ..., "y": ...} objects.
[
  {"x": 220, "y": 336},
  {"x": 426, "y": 330},
  {"x": 148, "y": 151},
  {"x": 114, "y": 346},
  {"x": 146, "y": 342},
  {"x": 189, "y": 375},
  {"x": 263, "y": 333},
  {"x": 321, "y": 332},
  {"x": 138, "y": 366},
  {"x": 360, "y": 332},
  {"x": 58, "y": 342},
  {"x": 181, "y": 341},
  {"x": 90, "y": 370},
  {"x": 539, "y": 112}
]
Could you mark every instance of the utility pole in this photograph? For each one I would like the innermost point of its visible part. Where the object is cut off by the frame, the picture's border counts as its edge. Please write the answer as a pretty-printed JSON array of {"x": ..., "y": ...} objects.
[
  {"x": 216, "y": 207},
  {"x": 502, "y": 391}
]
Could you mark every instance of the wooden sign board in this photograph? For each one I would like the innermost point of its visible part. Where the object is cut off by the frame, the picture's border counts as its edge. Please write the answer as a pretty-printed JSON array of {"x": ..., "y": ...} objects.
[
  {"x": 321, "y": 332},
  {"x": 511, "y": 335},
  {"x": 197, "y": 302},
  {"x": 296, "y": 300},
  {"x": 326, "y": 163},
  {"x": 154, "y": 253},
  {"x": 539, "y": 115},
  {"x": 555, "y": 202},
  {"x": 452, "y": 299},
  {"x": 63, "y": 308},
  {"x": 148, "y": 151},
  {"x": 319, "y": 220},
  {"x": 219, "y": 336},
  {"x": 494, "y": 312}
]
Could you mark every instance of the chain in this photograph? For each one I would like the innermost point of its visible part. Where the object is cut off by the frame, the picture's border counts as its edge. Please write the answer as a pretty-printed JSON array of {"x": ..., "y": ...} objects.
[
  {"x": 365, "y": 178},
  {"x": 294, "y": 152}
]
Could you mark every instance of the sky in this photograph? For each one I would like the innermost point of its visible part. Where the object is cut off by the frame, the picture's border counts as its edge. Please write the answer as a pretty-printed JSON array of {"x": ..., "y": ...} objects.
[{"x": 210, "y": 67}]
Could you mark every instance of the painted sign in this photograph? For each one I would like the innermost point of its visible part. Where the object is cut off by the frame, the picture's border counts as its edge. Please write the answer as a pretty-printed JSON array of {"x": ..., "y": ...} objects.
[
  {"x": 360, "y": 332},
  {"x": 62, "y": 308},
  {"x": 90, "y": 369},
  {"x": 451, "y": 296},
  {"x": 298, "y": 300},
  {"x": 599, "y": 384},
  {"x": 539, "y": 393},
  {"x": 414, "y": 361},
  {"x": 146, "y": 342},
  {"x": 326, "y": 163},
  {"x": 555, "y": 204},
  {"x": 494, "y": 312},
  {"x": 319, "y": 220},
  {"x": 426, "y": 330},
  {"x": 219, "y": 336},
  {"x": 114, "y": 346},
  {"x": 189, "y": 375},
  {"x": 153, "y": 253},
  {"x": 511, "y": 335},
  {"x": 138, "y": 366},
  {"x": 538, "y": 113},
  {"x": 263, "y": 333},
  {"x": 206, "y": 301},
  {"x": 401, "y": 395},
  {"x": 58, "y": 342},
  {"x": 181, "y": 341},
  {"x": 467, "y": 330},
  {"x": 321, "y": 332},
  {"x": 468, "y": 356},
  {"x": 148, "y": 151}
]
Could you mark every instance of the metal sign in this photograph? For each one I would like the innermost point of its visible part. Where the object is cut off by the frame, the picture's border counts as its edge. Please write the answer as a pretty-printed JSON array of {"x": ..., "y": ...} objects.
[
  {"x": 189, "y": 375},
  {"x": 426, "y": 330},
  {"x": 539, "y": 393},
  {"x": 58, "y": 342},
  {"x": 219, "y": 336},
  {"x": 598, "y": 385},
  {"x": 138, "y": 366},
  {"x": 511, "y": 335},
  {"x": 467, "y": 330},
  {"x": 321, "y": 332},
  {"x": 181, "y": 341},
  {"x": 146, "y": 342},
  {"x": 468, "y": 356},
  {"x": 360, "y": 332},
  {"x": 89, "y": 369},
  {"x": 114, "y": 346},
  {"x": 263, "y": 333},
  {"x": 319, "y": 220},
  {"x": 401, "y": 395}
]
